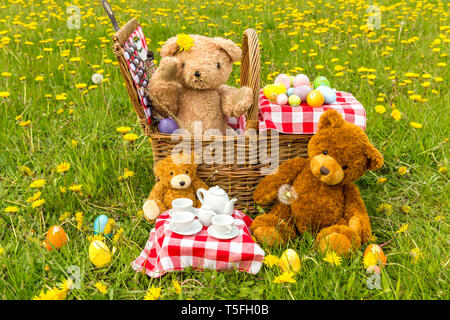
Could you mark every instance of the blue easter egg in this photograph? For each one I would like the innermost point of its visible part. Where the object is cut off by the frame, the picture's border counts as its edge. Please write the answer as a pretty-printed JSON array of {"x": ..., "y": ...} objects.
[
  {"x": 100, "y": 223},
  {"x": 290, "y": 91},
  {"x": 328, "y": 93},
  {"x": 167, "y": 125}
]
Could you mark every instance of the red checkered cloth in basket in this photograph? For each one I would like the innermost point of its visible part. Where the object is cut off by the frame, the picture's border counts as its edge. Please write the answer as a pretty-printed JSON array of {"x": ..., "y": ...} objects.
[
  {"x": 304, "y": 119},
  {"x": 168, "y": 251}
]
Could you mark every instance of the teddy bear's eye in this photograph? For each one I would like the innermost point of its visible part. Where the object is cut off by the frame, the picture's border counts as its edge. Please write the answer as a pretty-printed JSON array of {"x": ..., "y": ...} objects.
[
  {"x": 325, "y": 152},
  {"x": 187, "y": 172},
  {"x": 171, "y": 173},
  {"x": 218, "y": 65},
  {"x": 344, "y": 167},
  {"x": 183, "y": 64}
]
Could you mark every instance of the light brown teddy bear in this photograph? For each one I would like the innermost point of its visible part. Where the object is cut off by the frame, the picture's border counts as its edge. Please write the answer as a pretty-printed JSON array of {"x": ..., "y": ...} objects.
[
  {"x": 318, "y": 193},
  {"x": 190, "y": 83},
  {"x": 177, "y": 179}
]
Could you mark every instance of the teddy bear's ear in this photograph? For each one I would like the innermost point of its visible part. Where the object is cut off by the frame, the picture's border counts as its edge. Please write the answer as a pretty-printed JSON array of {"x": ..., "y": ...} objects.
[
  {"x": 159, "y": 167},
  {"x": 169, "y": 47},
  {"x": 374, "y": 158},
  {"x": 330, "y": 118},
  {"x": 229, "y": 47}
]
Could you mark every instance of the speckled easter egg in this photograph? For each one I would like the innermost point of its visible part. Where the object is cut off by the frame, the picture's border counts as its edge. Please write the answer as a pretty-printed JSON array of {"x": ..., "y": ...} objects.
[
  {"x": 270, "y": 92},
  {"x": 167, "y": 125},
  {"x": 56, "y": 238},
  {"x": 321, "y": 81},
  {"x": 294, "y": 100},
  {"x": 282, "y": 99},
  {"x": 301, "y": 80},
  {"x": 290, "y": 91},
  {"x": 315, "y": 99},
  {"x": 100, "y": 223},
  {"x": 328, "y": 94},
  {"x": 284, "y": 79},
  {"x": 302, "y": 92}
]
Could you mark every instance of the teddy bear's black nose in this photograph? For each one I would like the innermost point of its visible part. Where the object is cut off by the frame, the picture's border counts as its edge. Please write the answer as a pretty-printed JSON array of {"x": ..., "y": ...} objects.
[
  {"x": 182, "y": 183},
  {"x": 197, "y": 74},
  {"x": 324, "y": 171}
]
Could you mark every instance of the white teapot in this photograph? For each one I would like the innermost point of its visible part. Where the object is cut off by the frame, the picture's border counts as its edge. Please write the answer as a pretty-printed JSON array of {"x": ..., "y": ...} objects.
[
  {"x": 205, "y": 214},
  {"x": 217, "y": 199}
]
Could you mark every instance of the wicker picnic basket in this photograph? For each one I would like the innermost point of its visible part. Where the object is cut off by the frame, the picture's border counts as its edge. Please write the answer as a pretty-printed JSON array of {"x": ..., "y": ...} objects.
[{"x": 240, "y": 178}]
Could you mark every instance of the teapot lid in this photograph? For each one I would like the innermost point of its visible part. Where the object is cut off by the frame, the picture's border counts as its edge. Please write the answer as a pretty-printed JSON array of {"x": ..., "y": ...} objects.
[{"x": 217, "y": 191}]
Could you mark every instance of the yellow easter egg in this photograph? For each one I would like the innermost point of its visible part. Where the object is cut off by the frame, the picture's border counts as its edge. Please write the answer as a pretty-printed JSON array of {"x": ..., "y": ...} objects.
[
  {"x": 270, "y": 92},
  {"x": 289, "y": 261},
  {"x": 280, "y": 88},
  {"x": 99, "y": 253}
]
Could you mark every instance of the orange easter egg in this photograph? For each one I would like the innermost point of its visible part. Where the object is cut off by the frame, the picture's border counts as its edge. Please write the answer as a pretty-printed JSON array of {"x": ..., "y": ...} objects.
[
  {"x": 315, "y": 99},
  {"x": 56, "y": 238},
  {"x": 374, "y": 255}
]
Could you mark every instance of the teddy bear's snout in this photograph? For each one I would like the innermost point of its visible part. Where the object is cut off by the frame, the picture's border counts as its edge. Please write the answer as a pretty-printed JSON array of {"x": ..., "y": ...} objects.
[
  {"x": 327, "y": 169},
  {"x": 181, "y": 181}
]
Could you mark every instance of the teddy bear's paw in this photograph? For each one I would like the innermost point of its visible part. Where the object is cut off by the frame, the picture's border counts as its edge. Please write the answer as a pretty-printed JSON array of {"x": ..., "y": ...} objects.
[
  {"x": 268, "y": 235},
  {"x": 336, "y": 242},
  {"x": 151, "y": 210},
  {"x": 169, "y": 67},
  {"x": 242, "y": 101}
]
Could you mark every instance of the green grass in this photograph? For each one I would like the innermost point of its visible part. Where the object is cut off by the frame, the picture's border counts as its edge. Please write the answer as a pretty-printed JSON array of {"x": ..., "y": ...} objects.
[{"x": 101, "y": 155}]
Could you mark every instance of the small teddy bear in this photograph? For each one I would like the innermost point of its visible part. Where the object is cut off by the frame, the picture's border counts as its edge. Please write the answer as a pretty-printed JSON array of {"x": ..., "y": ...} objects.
[
  {"x": 190, "y": 83},
  {"x": 318, "y": 193},
  {"x": 177, "y": 179}
]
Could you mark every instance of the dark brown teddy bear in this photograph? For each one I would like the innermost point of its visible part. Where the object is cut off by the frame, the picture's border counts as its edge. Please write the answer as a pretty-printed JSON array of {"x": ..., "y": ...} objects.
[
  {"x": 177, "y": 176},
  {"x": 318, "y": 193}
]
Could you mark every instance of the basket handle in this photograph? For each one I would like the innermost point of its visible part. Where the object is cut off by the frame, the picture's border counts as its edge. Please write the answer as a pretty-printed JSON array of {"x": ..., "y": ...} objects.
[{"x": 250, "y": 73}]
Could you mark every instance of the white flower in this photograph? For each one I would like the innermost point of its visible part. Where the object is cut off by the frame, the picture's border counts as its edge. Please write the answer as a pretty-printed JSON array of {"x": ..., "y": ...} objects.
[
  {"x": 97, "y": 78},
  {"x": 287, "y": 194}
]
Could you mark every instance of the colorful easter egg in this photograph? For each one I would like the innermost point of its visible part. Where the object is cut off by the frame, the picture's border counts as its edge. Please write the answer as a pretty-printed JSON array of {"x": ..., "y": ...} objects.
[
  {"x": 374, "y": 255},
  {"x": 280, "y": 88},
  {"x": 321, "y": 81},
  {"x": 328, "y": 94},
  {"x": 282, "y": 99},
  {"x": 302, "y": 92},
  {"x": 100, "y": 223},
  {"x": 290, "y": 91},
  {"x": 284, "y": 79},
  {"x": 315, "y": 99},
  {"x": 301, "y": 80},
  {"x": 270, "y": 92},
  {"x": 294, "y": 100},
  {"x": 167, "y": 125},
  {"x": 289, "y": 261},
  {"x": 56, "y": 238},
  {"x": 99, "y": 253}
]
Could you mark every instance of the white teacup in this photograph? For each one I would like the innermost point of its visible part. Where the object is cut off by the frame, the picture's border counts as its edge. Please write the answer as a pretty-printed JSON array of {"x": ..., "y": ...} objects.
[
  {"x": 182, "y": 220},
  {"x": 182, "y": 205},
  {"x": 222, "y": 223}
]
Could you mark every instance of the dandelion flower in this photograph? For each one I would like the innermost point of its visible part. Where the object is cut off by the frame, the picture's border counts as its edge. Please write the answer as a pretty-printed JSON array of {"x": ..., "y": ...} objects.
[
  {"x": 101, "y": 287},
  {"x": 62, "y": 167},
  {"x": 415, "y": 125},
  {"x": 109, "y": 226},
  {"x": 76, "y": 187},
  {"x": 25, "y": 123},
  {"x": 62, "y": 189},
  {"x": 128, "y": 174},
  {"x": 402, "y": 170},
  {"x": 79, "y": 219},
  {"x": 11, "y": 209},
  {"x": 396, "y": 115},
  {"x": 176, "y": 286},
  {"x": 64, "y": 216},
  {"x": 35, "y": 197},
  {"x": 97, "y": 78},
  {"x": 285, "y": 277},
  {"x": 118, "y": 235},
  {"x": 37, "y": 183},
  {"x": 380, "y": 109},
  {"x": 4, "y": 94},
  {"x": 406, "y": 209},
  {"x": 442, "y": 170},
  {"x": 333, "y": 258},
  {"x": 381, "y": 180},
  {"x": 123, "y": 130},
  {"x": 184, "y": 42},
  {"x": 403, "y": 228},
  {"x": 37, "y": 203},
  {"x": 271, "y": 260},
  {"x": 417, "y": 254},
  {"x": 130, "y": 137},
  {"x": 153, "y": 293},
  {"x": 385, "y": 207}
]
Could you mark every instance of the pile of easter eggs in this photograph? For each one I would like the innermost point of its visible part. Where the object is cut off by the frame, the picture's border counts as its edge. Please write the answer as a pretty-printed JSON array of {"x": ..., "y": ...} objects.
[{"x": 295, "y": 90}]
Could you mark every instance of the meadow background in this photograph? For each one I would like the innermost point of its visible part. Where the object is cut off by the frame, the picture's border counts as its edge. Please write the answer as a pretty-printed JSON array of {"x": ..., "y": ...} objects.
[{"x": 62, "y": 160}]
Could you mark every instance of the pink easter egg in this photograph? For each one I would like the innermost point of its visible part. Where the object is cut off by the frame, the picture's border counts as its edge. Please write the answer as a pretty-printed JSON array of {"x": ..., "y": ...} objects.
[
  {"x": 301, "y": 80},
  {"x": 282, "y": 99},
  {"x": 284, "y": 79},
  {"x": 302, "y": 92}
]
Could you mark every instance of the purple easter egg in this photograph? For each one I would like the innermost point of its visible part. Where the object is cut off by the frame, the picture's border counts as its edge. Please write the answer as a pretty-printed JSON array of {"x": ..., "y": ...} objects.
[
  {"x": 284, "y": 79},
  {"x": 167, "y": 125},
  {"x": 301, "y": 80},
  {"x": 302, "y": 92},
  {"x": 282, "y": 99}
]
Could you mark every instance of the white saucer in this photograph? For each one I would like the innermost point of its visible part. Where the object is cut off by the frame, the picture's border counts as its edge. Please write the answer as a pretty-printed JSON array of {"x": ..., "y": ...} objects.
[
  {"x": 233, "y": 234},
  {"x": 195, "y": 228}
]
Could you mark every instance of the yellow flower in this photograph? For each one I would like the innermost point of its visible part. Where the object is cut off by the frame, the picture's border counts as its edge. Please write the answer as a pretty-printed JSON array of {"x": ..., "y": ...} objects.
[
  {"x": 123, "y": 129},
  {"x": 128, "y": 174},
  {"x": 176, "y": 286},
  {"x": 381, "y": 180},
  {"x": 285, "y": 277},
  {"x": 37, "y": 203},
  {"x": 109, "y": 226},
  {"x": 439, "y": 218},
  {"x": 101, "y": 287},
  {"x": 62, "y": 189},
  {"x": 271, "y": 260},
  {"x": 35, "y": 197},
  {"x": 4, "y": 94},
  {"x": 333, "y": 258},
  {"x": 442, "y": 170},
  {"x": 2, "y": 250},
  {"x": 55, "y": 293},
  {"x": 130, "y": 137},
  {"x": 25, "y": 123},
  {"x": 11, "y": 209},
  {"x": 417, "y": 254},
  {"x": 76, "y": 187},
  {"x": 62, "y": 167},
  {"x": 396, "y": 114},
  {"x": 98, "y": 237},
  {"x": 37, "y": 183},
  {"x": 415, "y": 125},
  {"x": 118, "y": 235},
  {"x": 403, "y": 228},
  {"x": 319, "y": 67},
  {"x": 380, "y": 109},
  {"x": 153, "y": 293},
  {"x": 80, "y": 85},
  {"x": 385, "y": 207},
  {"x": 402, "y": 170},
  {"x": 406, "y": 209},
  {"x": 184, "y": 42},
  {"x": 64, "y": 216},
  {"x": 79, "y": 219},
  {"x": 74, "y": 142},
  {"x": 39, "y": 78}
]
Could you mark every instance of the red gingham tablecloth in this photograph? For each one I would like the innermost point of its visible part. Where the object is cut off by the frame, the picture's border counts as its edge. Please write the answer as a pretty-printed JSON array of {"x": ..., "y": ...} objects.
[
  {"x": 305, "y": 119},
  {"x": 168, "y": 251}
]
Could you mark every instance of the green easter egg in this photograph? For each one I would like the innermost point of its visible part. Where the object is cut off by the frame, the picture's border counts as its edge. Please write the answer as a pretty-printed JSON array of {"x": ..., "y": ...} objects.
[{"x": 321, "y": 81}]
